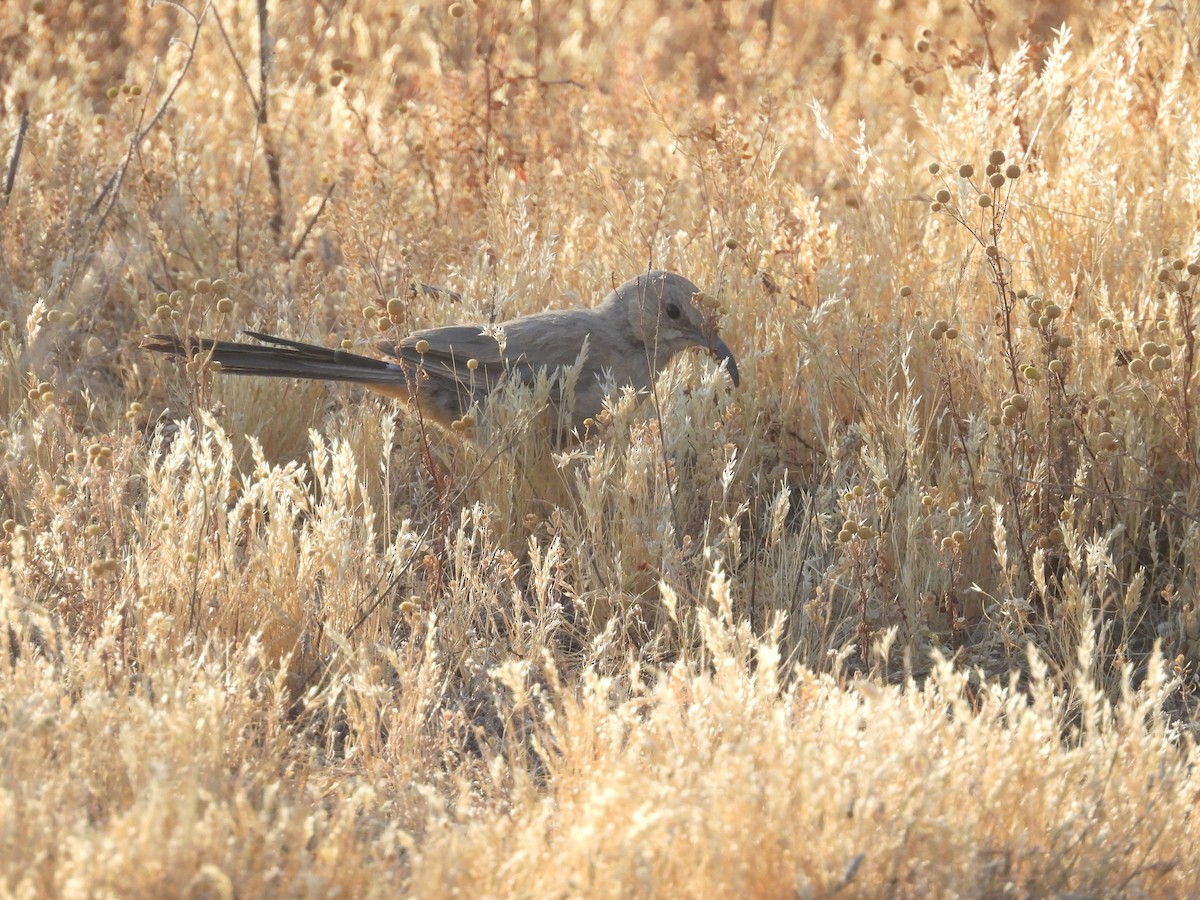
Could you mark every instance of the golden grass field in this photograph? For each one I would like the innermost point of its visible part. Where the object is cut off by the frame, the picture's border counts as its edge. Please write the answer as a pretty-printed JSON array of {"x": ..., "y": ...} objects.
[{"x": 913, "y": 612}]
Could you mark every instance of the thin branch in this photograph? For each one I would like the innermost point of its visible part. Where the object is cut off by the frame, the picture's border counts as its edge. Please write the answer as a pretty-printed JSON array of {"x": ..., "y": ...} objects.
[
  {"x": 311, "y": 222},
  {"x": 114, "y": 181},
  {"x": 273, "y": 168},
  {"x": 15, "y": 159}
]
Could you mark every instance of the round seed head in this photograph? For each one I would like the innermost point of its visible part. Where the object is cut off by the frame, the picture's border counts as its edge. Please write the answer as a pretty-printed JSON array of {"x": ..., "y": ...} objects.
[
  {"x": 1053, "y": 310},
  {"x": 1056, "y": 366},
  {"x": 1193, "y": 269},
  {"x": 942, "y": 196},
  {"x": 1013, "y": 172},
  {"x": 731, "y": 243},
  {"x": 1137, "y": 367},
  {"x": 347, "y": 344},
  {"x": 163, "y": 312},
  {"x": 992, "y": 251},
  {"x": 422, "y": 346},
  {"x": 996, "y": 181},
  {"x": 951, "y": 334},
  {"x": 472, "y": 364},
  {"x": 935, "y": 206},
  {"x": 989, "y": 170},
  {"x": 1064, "y": 340},
  {"x": 395, "y": 307},
  {"x": 1160, "y": 364},
  {"x": 1019, "y": 402},
  {"x": 994, "y": 420},
  {"x": 918, "y": 87},
  {"x": 934, "y": 168},
  {"x": 1149, "y": 348},
  {"x": 1107, "y": 440},
  {"x": 966, "y": 170},
  {"x": 876, "y": 58},
  {"x": 922, "y": 46},
  {"x": 1164, "y": 350},
  {"x": 996, "y": 157},
  {"x": 984, "y": 201},
  {"x": 1106, "y": 323},
  {"x": 457, "y": 10},
  {"x": 905, "y": 291},
  {"x": 1181, "y": 287},
  {"x": 224, "y": 306},
  {"x": 336, "y": 78},
  {"x": 1178, "y": 265}
]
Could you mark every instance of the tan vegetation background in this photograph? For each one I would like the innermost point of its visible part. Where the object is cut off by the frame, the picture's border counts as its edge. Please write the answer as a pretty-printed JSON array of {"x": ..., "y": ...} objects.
[{"x": 912, "y": 612}]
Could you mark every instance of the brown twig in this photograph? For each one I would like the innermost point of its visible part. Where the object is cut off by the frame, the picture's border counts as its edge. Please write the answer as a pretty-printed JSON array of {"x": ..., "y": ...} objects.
[
  {"x": 273, "y": 167},
  {"x": 311, "y": 222},
  {"x": 15, "y": 159}
]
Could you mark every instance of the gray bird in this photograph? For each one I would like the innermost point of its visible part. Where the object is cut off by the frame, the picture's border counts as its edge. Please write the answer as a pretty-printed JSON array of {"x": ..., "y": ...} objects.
[{"x": 630, "y": 337}]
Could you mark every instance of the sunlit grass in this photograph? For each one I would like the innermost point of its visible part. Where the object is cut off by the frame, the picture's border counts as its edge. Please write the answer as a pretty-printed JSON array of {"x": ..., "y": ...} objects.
[{"x": 911, "y": 612}]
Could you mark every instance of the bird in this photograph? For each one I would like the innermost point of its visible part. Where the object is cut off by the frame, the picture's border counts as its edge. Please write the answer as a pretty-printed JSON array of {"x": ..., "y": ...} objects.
[{"x": 627, "y": 340}]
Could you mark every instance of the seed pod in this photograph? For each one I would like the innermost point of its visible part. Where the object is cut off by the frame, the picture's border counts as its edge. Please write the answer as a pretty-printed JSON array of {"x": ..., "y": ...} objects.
[
  {"x": 1013, "y": 172},
  {"x": 942, "y": 196},
  {"x": 985, "y": 201},
  {"x": 996, "y": 181},
  {"x": 966, "y": 170},
  {"x": 996, "y": 158}
]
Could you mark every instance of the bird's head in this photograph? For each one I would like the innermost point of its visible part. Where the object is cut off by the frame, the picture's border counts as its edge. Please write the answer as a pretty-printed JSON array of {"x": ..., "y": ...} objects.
[{"x": 668, "y": 314}]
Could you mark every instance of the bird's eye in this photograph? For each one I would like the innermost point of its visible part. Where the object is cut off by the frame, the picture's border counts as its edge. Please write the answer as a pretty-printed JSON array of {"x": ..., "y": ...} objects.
[{"x": 673, "y": 310}]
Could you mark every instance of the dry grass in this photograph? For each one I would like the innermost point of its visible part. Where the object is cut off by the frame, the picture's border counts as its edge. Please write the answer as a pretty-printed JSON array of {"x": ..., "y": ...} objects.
[{"x": 913, "y": 612}]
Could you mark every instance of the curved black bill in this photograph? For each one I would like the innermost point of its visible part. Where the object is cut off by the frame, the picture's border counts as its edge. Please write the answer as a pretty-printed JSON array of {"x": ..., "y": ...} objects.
[{"x": 721, "y": 351}]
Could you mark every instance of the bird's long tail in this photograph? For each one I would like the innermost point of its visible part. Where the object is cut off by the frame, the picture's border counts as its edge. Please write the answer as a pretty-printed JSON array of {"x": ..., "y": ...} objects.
[{"x": 283, "y": 359}]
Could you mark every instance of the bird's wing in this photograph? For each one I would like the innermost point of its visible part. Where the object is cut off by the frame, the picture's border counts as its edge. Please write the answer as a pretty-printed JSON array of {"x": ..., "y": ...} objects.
[{"x": 546, "y": 340}]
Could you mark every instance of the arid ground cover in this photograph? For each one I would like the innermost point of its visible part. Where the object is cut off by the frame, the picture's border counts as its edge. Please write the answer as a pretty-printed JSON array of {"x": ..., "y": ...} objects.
[{"x": 913, "y": 611}]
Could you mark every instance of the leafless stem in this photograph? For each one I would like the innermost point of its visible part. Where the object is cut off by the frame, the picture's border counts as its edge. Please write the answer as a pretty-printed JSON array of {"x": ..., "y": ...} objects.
[
  {"x": 311, "y": 222},
  {"x": 273, "y": 168},
  {"x": 15, "y": 159}
]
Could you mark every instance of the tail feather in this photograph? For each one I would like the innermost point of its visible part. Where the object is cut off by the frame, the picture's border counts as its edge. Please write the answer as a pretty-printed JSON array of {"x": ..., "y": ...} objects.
[{"x": 283, "y": 359}]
